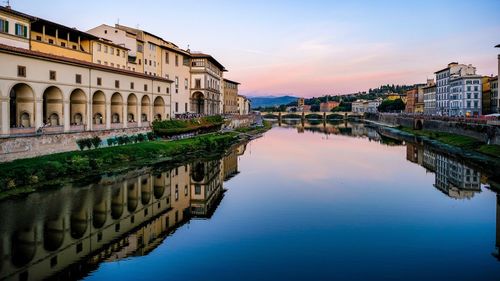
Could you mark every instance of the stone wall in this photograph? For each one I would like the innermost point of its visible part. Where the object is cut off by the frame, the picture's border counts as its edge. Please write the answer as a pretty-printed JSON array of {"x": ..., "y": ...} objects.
[
  {"x": 486, "y": 133},
  {"x": 13, "y": 148}
]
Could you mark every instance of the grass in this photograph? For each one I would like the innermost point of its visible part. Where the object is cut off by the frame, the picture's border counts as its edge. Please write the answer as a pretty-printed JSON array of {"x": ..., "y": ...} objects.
[
  {"x": 463, "y": 142},
  {"x": 169, "y": 128},
  {"x": 28, "y": 174}
]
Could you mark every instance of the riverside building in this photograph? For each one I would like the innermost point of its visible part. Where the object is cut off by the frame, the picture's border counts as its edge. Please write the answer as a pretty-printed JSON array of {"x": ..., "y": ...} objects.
[{"x": 230, "y": 97}]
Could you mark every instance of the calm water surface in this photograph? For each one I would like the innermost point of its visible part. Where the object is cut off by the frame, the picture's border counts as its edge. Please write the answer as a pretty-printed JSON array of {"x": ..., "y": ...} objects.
[{"x": 313, "y": 202}]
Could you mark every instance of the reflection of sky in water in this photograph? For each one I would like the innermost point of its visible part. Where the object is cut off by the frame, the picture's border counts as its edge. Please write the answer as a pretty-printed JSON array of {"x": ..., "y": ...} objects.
[{"x": 310, "y": 207}]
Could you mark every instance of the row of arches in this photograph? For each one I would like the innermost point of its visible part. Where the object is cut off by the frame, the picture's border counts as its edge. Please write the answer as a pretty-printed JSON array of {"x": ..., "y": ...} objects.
[
  {"x": 22, "y": 105},
  {"x": 125, "y": 200}
]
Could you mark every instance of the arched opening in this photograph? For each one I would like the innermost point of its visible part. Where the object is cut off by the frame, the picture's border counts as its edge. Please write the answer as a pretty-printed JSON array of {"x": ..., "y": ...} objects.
[
  {"x": 145, "y": 109},
  {"x": 132, "y": 197},
  {"x": 159, "y": 185},
  {"x": 145, "y": 191},
  {"x": 99, "y": 213},
  {"x": 131, "y": 108},
  {"x": 116, "y": 107},
  {"x": 199, "y": 103},
  {"x": 78, "y": 107},
  {"x": 22, "y": 106},
  {"x": 78, "y": 224},
  {"x": 159, "y": 108},
  {"x": 419, "y": 125},
  {"x": 99, "y": 108},
  {"x": 198, "y": 172},
  {"x": 117, "y": 203},
  {"x": 53, "y": 234},
  {"x": 23, "y": 246},
  {"x": 52, "y": 106}
]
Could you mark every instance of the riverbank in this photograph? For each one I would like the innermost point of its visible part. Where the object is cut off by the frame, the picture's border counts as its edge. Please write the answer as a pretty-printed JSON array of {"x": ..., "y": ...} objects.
[{"x": 29, "y": 175}]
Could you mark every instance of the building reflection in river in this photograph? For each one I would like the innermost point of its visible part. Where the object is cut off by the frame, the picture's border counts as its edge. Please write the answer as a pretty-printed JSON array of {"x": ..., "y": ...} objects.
[
  {"x": 452, "y": 177},
  {"x": 72, "y": 230}
]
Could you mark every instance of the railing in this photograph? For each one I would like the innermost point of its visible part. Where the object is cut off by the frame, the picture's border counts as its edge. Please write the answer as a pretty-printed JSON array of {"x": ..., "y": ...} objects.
[
  {"x": 116, "y": 125},
  {"x": 132, "y": 125},
  {"x": 77, "y": 128},
  {"x": 22, "y": 131},
  {"x": 99, "y": 127},
  {"x": 53, "y": 129}
]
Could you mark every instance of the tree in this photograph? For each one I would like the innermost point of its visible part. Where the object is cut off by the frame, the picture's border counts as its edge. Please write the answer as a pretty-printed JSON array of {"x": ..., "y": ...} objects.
[{"x": 391, "y": 106}]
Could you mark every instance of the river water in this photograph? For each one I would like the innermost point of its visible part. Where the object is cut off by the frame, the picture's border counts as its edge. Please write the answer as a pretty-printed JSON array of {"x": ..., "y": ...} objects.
[{"x": 315, "y": 201}]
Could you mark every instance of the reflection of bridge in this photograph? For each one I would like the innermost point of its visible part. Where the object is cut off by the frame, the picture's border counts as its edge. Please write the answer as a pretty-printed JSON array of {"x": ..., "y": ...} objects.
[{"x": 311, "y": 115}]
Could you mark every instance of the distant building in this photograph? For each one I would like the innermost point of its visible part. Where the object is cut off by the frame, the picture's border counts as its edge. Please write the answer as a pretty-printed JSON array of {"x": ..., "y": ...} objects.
[
  {"x": 230, "y": 97},
  {"x": 486, "y": 95},
  {"x": 395, "y": 96},
  {"x": 494, "y": 97},
  {"x": 443, "y": 76},
  {"x": 306, "y": 108},
  {"x": 465, "y": 96},
  {"x": 362, "y": 106},
  {"x": 411, "y": 97},
  {"x": 429, "y": 92},
  {"x": 243, "y": 105},
  {"x": 300, "y": 102},
  {"x": 328, "y": 106}
]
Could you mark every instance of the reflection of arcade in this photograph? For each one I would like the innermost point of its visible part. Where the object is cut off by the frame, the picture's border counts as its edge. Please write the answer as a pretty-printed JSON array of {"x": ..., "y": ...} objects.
[{"x": 72, "y": 230}]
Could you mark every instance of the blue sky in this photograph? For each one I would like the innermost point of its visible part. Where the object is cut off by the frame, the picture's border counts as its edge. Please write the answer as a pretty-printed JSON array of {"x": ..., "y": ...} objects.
[{"x": 308, "y": 48}]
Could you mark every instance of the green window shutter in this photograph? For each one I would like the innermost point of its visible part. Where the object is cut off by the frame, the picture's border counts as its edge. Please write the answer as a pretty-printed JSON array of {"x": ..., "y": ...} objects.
[
  {"x": 25, "y": 31},
  {"x": 6, "y": 26}
]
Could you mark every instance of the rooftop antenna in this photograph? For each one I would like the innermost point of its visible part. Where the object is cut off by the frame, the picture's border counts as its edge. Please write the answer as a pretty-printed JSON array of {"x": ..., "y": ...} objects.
[
  {"x": 8, "y": 4},
  {"x": 188, "y": 50},
  {"x": 118, "y": 21}
]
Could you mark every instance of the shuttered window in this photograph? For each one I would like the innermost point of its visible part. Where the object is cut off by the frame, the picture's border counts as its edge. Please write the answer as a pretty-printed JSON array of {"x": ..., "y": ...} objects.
[
  {"x": 21, "y": 30},
  {"x": 4, "y": 26}
]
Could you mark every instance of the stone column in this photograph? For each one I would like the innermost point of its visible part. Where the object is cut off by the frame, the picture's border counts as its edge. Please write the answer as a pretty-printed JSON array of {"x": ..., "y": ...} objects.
[
  {"x": 4, "y": 116},
  {"x": 139, "y": 113},
  {"x": 108, "y": 115},
  {"x": 125, "y": 113},
  {"x": 38, "y": 113},
  {"x": 89, "y": 121},
  {"x": 66, "y": 115}
]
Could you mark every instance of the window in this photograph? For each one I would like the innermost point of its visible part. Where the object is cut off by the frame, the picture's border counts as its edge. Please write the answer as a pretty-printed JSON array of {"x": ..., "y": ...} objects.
[
  {"x": 21, "y": 71},
  {"x": 99, "y": 46},
  {"x": 167, "y": 60},
  {"x": 131, "y": 85},
  {"x": 99, "y": 61},
  {"x": 117, "y": 52},
  {"x": 176, "y": 107},
  {"x": 63, "y": 44},
  {"x": 149, "y": 62},
  {"x": 186, "y": 84},
  {"x": 106, "y": 49},
  {"x": 99, "y": 81},
  {"x": 176, "y": 82},
  {"x": 159, "y": 89},
  {"x": 78, "y": 79},
  {"x": 52, "y": 75},
  {"x": 21, "y": 30},
  {"x": 51, "y": 41},
  {"x": 112, "y": 65},
  {"x": 176, "y": 60},
  {"x": 168, "y": 90},
  {"x": 197, "y": 83},
  {"x": 4, "y": 26},
  {"x": 139, "y": 48},
  {"x": 145, "y": 87},
  {"x": 140, "y": 62},
  {"x": 117, "y": 84},
  {"x": 186, "y": 107},
  {"x": 38, "y": 38},
  {"x": 146, "y": 61},
  {"x": 112, "y": 51}
]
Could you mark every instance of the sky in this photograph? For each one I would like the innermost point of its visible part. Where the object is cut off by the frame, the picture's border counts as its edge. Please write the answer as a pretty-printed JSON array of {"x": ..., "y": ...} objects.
[{"x": 307, "y": 48}]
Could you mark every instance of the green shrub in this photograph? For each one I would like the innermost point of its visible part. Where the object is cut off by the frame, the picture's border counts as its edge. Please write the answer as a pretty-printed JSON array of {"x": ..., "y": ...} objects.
[
  {"x": 96, "y": 141},
  {"x": 150, "y": 136},
  {"x": 141, "y": 137},
  {"x": 81, "y": 144}
]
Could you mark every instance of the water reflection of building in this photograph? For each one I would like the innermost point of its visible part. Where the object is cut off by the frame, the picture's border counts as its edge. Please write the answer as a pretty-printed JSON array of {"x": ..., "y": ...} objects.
[
  {"x": 72, "y": 230},
  {"x": 230, "y": 165},
  {"x": 331, "y": 127},
  {"x": 496, "y": 253},
  {"x": 206, "y": 187},
  {"x": 452, "y": 177}
]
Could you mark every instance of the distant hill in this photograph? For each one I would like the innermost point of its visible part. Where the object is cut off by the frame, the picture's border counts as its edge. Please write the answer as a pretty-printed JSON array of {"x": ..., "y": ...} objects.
[{"x": 266, "y": 101}]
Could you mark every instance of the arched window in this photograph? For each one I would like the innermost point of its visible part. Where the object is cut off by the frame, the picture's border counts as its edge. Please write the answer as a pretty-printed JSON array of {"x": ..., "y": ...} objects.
[
  {"x": 78, "y": 119},
  {"x": 115, "y": 118},
  {"x": 158, "y": 117},
  {"x": 98, "y": 119},
  {"x": 130, "y": 117},
  {"x": 54, "y": 119},
  {"x": 25, "y": 120},
  {"x": 144, "y": 117}
]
